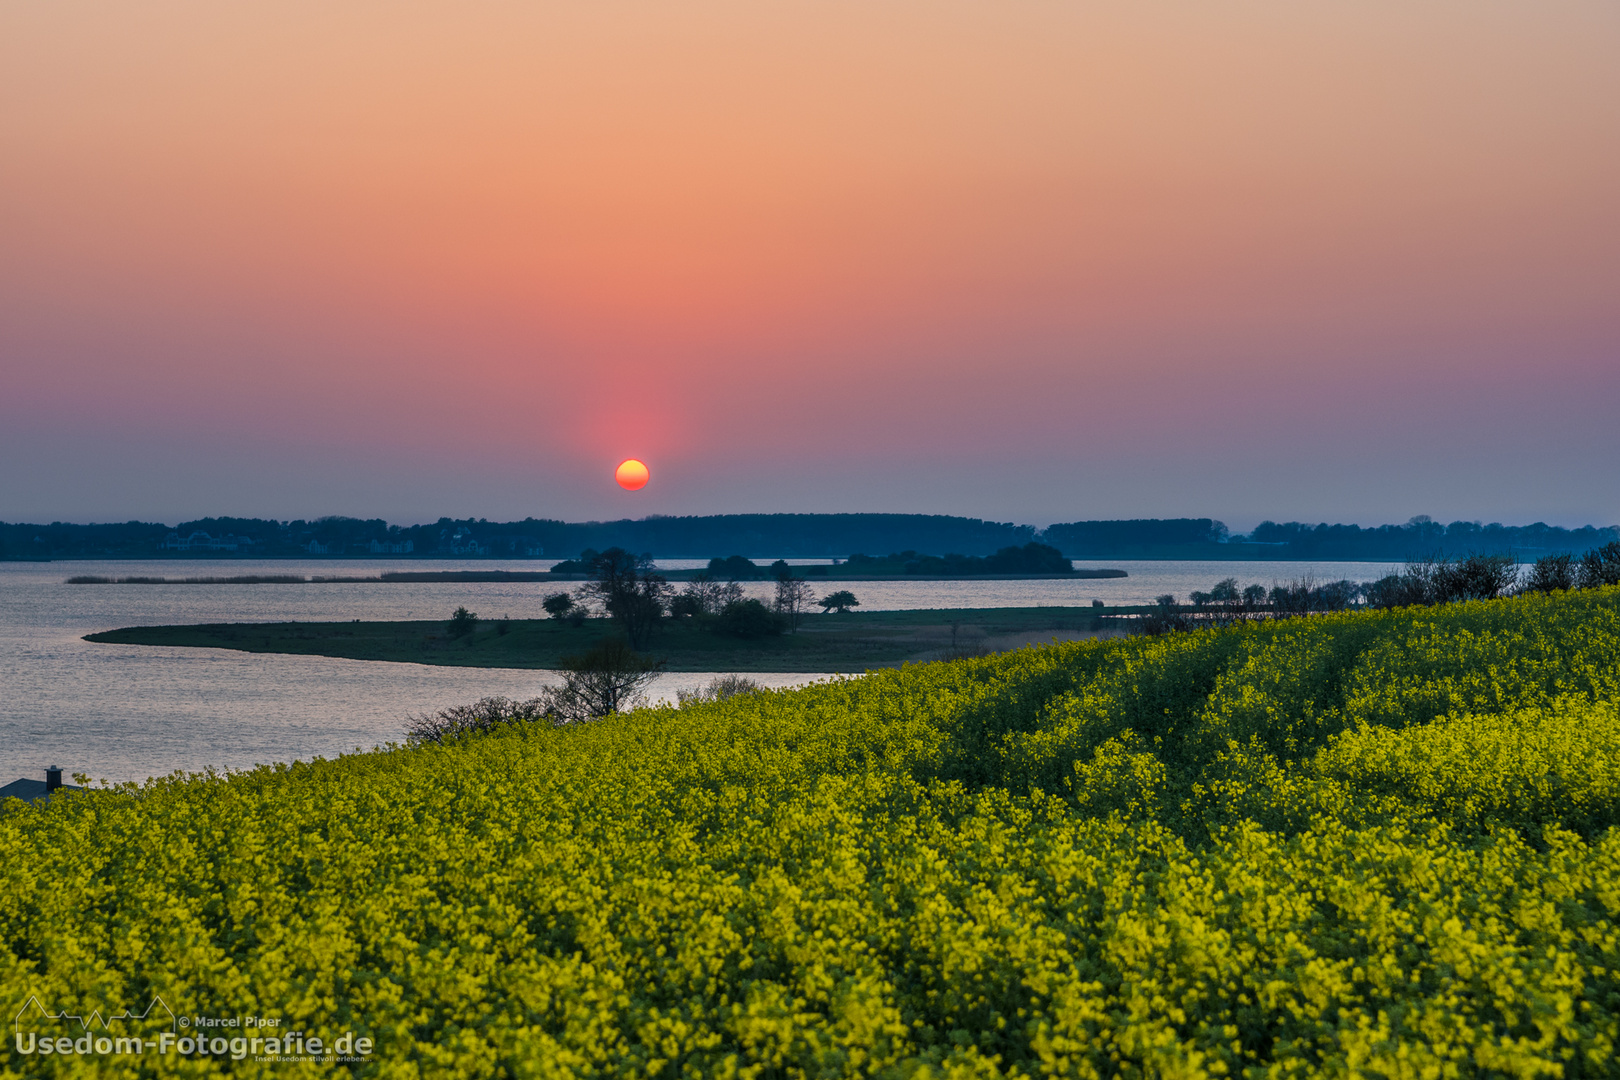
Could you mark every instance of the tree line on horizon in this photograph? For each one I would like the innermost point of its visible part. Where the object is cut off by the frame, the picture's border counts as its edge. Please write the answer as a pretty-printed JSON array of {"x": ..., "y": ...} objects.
[{"x": 783, "y": 535}]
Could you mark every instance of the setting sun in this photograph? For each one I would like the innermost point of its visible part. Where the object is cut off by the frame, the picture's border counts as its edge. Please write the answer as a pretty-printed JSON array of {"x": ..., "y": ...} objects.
[{"x": 631, "y": 474}]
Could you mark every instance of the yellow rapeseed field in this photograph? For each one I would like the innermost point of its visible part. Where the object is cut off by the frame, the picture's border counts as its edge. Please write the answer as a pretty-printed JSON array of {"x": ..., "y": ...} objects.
[{"x": 1374, "y": 844}]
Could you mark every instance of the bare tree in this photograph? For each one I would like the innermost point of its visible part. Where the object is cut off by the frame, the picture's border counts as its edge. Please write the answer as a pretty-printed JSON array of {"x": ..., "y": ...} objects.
[
  {"x": 611, "y": 677},
  {"x": 704, "y": 595},
  {"x": 793, "y": 596},
  {"x": 1475, "y": 577},
  {"x": 634, "y": 596},
  {"x": 1552, "y": 573}
]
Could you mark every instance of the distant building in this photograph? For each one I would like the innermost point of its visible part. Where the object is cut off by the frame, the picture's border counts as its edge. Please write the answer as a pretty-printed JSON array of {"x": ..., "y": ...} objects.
[
  {"x": 462, "y": 543},
  {"x": 201, "y": 541},
  {"x": 29, "y": 790},
  {"x": 403, "y": 547},
  {"x": 315, "y": 547}
]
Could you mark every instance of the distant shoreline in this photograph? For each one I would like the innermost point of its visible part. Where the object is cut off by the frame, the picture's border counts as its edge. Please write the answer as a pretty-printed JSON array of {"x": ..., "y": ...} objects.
[
  {"x": 791, "y": 536},
  {"x": 418, "y": 577}
]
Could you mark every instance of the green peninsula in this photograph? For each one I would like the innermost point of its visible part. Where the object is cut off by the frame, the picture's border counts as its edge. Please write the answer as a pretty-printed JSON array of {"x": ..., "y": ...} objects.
[{"x": 849, "y": 642}]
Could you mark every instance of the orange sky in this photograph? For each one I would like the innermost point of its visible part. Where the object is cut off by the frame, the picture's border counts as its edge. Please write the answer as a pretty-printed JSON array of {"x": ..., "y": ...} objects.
[{"x": 1038, "y": 261}]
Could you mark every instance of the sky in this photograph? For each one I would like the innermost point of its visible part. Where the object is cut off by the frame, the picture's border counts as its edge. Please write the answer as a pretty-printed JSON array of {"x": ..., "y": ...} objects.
[{"x": 1035, "y": 261}]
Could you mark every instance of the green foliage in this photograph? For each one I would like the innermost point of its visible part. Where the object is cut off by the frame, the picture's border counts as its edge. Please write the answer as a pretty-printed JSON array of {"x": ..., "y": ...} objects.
[{"x": 1360, "y": 844}]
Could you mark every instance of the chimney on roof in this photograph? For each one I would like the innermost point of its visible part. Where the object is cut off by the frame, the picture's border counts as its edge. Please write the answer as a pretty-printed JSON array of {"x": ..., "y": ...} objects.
[{"x": 53, "y": 778}]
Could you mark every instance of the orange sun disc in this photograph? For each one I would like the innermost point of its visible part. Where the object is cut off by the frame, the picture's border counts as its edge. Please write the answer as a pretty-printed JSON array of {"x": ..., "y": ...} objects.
[{"x": 631, "y": 474}]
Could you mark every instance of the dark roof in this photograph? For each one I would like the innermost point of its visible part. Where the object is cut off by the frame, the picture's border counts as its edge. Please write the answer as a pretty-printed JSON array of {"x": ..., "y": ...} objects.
[{"x": 28, "y": 790}]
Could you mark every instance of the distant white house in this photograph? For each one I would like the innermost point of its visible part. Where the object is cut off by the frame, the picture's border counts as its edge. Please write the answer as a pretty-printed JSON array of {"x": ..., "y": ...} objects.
[
  {"x": 201, "y": 541},
  {"x": 462, "y": 543},
  {"x": 315, "y": 547},
  {"x": 403, "y": 547}
]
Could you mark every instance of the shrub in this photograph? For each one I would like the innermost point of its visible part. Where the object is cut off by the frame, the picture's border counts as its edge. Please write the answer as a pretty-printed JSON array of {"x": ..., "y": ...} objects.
[
  {"x": 719, "y": 688},
  {"x": 1165, "y": 617},
  {"x": 1442, "y": 580},
  {"x": 749, "y": 619},
  {"x": 1474, "y": 577},
  {"x": 609, "y": 677},
  {"x": 1406, "y": 589},
  {"x": 685, "y": 606},
  {"x": 1552, "y": 573},
  {"x": 483, "y": 715},
  {"x": 705, "y": 595},
  {"x": 462, "y": 624},
  {"x": 1601, "y": 566},
  {"x": 559, "y": 605}
]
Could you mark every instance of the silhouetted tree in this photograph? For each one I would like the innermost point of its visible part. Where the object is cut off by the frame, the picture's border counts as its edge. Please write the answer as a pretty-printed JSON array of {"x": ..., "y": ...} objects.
[
  {"x": 1475, "y": 577},
  {"x": 839, "y": 602},
  {"x": 793, "y": 595},
  {"x": 704, "y": 595},
  {"x": 608, "y": 678},
  {"x": 749, "y": 619},
  {"x": 735, "y": 568},
  {"x": 633, "y": 595},
  {"x": 463, "y": 623}
]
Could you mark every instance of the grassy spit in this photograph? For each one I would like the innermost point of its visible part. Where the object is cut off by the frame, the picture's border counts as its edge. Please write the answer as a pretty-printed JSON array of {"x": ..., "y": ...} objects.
[{"x": 854, "y": 641}]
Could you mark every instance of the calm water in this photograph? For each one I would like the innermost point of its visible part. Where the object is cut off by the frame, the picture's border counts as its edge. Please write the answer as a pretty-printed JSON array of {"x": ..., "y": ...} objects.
[{"x": 126, "y": 712}]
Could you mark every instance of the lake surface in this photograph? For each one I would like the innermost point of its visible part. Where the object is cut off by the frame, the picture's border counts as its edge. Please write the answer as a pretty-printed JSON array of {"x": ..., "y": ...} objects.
[{"x": 127, "y": 712}]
